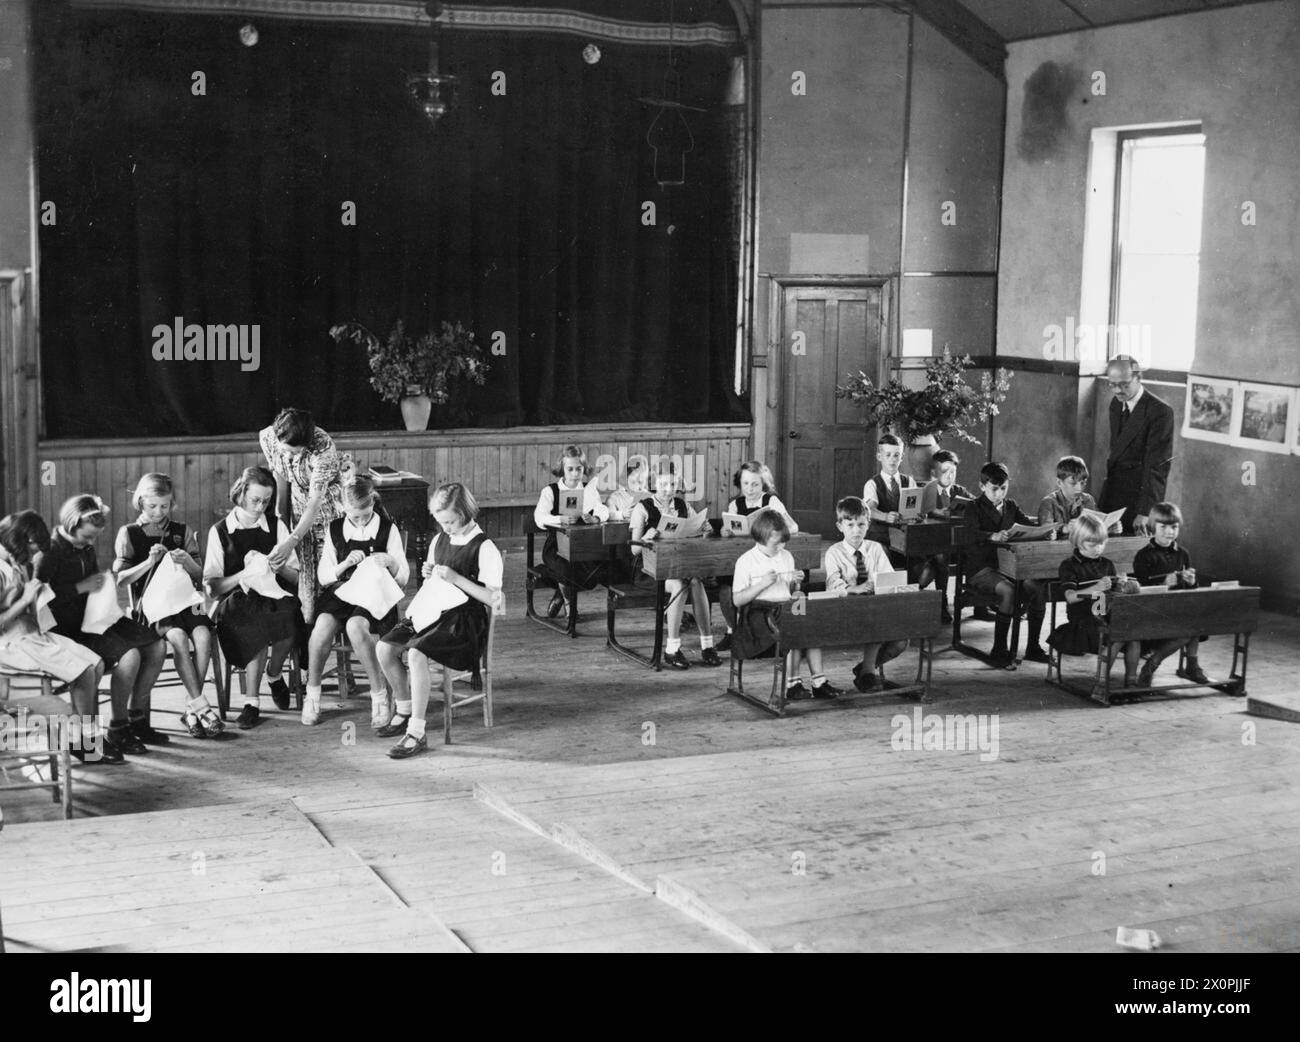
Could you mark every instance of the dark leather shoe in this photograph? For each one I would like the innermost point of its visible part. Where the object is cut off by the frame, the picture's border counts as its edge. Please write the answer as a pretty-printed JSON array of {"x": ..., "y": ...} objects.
[
  {"x": 866, "y": 682},
  {"x": 394, "y": 727},
  {"x": 676, "y": 661},
  {"x": 1035, "y": 653},
  {"x": 725, "y": 643},
  {"x": 249, "y": 717},
  {"x": 109, "y": 753},
  {"x": 142, "y": 730},
  {"x": 826, "y": 690},
  {"x": 408, "y": 747},
  {"x": 126, "y": 741},
  {"x": 710, "y": 657},
  {"x": 280, "y": 693},
  {"x": 796, "y": 693},
  {"x": 556, "y": 606},
  {"x": 1195, "y": 674},
  {"x": 1147, "y": 675}
]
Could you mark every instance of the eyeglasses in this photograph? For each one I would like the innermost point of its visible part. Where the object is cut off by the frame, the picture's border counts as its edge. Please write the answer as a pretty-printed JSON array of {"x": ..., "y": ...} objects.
[{"x": 1119, "y": 385}]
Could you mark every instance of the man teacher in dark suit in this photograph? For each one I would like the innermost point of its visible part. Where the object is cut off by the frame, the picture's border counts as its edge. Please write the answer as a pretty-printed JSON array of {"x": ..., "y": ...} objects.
[{"x": 1141, "y": 446}]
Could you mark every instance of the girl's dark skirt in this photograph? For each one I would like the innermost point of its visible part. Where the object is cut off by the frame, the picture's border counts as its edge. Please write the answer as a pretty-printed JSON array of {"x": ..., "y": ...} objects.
[
  {"x": 755, "y": 635},
  {"x": 585, "y": 575},
  {"x": 248, "y": 622},
  {"x": 328, "y": 603},
  {"x": 189, "y": 621},
  {"x": 1078, "y": 636},
  {"x": 456, "y": 640},
  {"x": 115, "y": 641}
]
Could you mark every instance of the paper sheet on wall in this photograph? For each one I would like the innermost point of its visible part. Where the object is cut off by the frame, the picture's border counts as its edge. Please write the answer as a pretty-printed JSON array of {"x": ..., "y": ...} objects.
[
  {"x": 435, "y": 597},
  {"x": 170, "y": 592},
  {"x": 45, "y": 620},
  {"x": 371, "y": 586},
  {"x": 102, "y": 609},
  {"x": 257, "y": 577}
]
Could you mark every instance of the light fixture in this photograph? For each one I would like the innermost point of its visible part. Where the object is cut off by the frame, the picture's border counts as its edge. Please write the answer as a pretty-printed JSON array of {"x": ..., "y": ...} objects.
[
  {"x": 669, "y": 136},
  {"x": 433, "y": 92}
]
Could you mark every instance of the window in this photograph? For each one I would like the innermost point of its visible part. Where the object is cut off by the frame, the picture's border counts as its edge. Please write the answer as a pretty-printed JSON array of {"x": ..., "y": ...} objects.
[{"x": 1143, "y": 244}]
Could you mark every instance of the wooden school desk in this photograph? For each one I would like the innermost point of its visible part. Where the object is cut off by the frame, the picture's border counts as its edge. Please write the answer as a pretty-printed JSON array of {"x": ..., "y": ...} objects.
[
  {"x": 1040, "y": 559},
  {"x": 694, "y": 558},
  {"x": 850, "y": 621},
  {"x": 1165, "y": 616},
  {"x": 576, "y": 544},
  {"x": 921, "y": 540}
]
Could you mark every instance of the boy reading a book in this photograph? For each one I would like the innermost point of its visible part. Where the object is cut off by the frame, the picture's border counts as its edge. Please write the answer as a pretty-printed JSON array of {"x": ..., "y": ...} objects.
[
  {"x": 942, "y": 497},
  {"x": 993, "y": 515},
  {"x": 1063, "y": 505}
]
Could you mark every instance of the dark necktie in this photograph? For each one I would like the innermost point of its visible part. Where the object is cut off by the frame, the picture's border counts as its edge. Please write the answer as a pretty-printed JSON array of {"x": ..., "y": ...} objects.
[
  {"x": 861, "y": 566},
  {"x": 1123, "y": 417}
]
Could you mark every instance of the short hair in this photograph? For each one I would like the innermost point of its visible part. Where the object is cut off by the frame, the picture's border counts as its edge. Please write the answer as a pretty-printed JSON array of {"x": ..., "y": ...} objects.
[
  {"x": 359, "y": 491},
  {"x": 152, "y": 484},
  {"x": 889, "y": 439},
  {"x": 945, "y": 456},
  {"x": 1134, "y": 366},
  {"x": 1072, "y": 467},
  {"x": 78, "y": 509},
  {"x": 251, "y": 476},
  {"x": 849, "y": 506},
  {"x": 758, "y": 467},
  {"x": 452, "y": 495},
  {"x": 294, "y": 427},
  {"x": 571, "y": 452},
  {"x": 767, "y": 521},
  {"x": 994, "y": 474},
  {"x": 17, "y": 530},
  {"x": 1166, "y": 513},
  {"x": 1086, "y": 529}
]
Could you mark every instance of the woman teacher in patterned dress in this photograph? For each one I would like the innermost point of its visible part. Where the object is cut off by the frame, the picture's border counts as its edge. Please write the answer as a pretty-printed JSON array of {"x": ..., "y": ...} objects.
[{"x": 308, "y": 467}]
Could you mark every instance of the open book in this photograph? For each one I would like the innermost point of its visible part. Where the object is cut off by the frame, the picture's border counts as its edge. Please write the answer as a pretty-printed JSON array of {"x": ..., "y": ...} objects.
[
  {"x": 1021, "y": 533},
  {"x": 893, "y": 582},
  {"x": 570, "y": 502},
  {"x": 436, "y": 596},
  {"x": 1107, "y": 521},
  {"x": 683, "y": 527},
  {"x": 170, "y": 592},
  {"x": 736, "y": 524},
  {"x": 909, "y": 502}
]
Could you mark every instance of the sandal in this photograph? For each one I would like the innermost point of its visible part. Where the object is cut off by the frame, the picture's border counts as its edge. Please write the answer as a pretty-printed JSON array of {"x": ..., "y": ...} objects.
[
  {"x": 193, "y": 725},
  {"x": 212, "y": 722}
]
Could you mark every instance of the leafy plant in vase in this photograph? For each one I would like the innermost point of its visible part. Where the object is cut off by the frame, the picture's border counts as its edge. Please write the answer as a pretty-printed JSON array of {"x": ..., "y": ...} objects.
[
  {"x": 417, "y": 372},
  {"x": 946, "y": 405}
]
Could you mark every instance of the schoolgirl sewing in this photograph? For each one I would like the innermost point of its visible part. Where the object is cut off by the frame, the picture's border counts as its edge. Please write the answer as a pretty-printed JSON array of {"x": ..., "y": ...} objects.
[
  {"x": 572, "y": 471},
  {"x": 25, "y": 649},
  {"x": 1082, "y": 574},
  {"x": 133, "y": 652},
  {"x": 463, "y": 556},
  {"x": 359, "y": 535},
  {"x": 753, "y": 480},
  {"x": 239, "y": 549},
  {"x": 140, "y": 549},
  {"x": 646, "y": 519}
]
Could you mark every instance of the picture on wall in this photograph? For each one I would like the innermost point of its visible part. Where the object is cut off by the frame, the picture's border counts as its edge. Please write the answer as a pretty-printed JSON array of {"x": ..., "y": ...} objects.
[
  {"x": 1266, "y": 419},
  {"x": 1212, "y": 406}
]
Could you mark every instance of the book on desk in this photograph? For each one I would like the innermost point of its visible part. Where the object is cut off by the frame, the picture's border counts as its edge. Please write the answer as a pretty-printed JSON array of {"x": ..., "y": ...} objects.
[
  {"x": 683, "y": 527},
  {"x": 736, "y": 524}
]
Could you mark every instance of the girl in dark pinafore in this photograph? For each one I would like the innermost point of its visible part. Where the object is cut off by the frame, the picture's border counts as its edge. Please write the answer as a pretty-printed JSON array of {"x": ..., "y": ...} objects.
[
  {"x": 249, "y": 622},
  {"x": 463, "y": 555}
]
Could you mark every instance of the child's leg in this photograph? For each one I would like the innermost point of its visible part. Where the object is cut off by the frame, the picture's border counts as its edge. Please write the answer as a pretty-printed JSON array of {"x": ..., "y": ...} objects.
[
  {"x": 1032, "y": 596},
  {"x": 122, "y": 685},
  {"x": 318, "y": 650},
  {"x": 84, "y": 691},
  {"x": 390, "y": 662},
  {"x": 179, "y": 641},
  {"x": 1006, "y": 594},
  {"x": 421, "y": 679},
  {"x": 202, "y": 638},
  {"x": 253, "y": 678},
  {"x": 703, "y": 617},
  {"x": 363, "y": 643},
  {"x": 275, "y": 660},
  {"x": 151, "y": 664},
  {"x": 813, "y": 657},
  {"x": 727, "y": 604},
  {"x": 1132, "y": 659},
  {"x": 927, "y": 573},
  {"x": 676, "y": 606}
]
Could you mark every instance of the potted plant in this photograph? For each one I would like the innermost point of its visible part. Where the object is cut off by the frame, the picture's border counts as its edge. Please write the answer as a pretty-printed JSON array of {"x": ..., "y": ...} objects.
[
  {"x": 417, "y": 372},
  {"x": 946, "y": 405}
]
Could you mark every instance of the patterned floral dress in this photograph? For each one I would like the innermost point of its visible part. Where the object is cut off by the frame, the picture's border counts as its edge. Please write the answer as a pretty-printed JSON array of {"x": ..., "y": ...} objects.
[{"x": 319, "y": 466}]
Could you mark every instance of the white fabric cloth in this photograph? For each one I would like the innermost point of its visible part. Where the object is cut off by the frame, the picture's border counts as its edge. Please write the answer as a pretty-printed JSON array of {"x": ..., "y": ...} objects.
[
  {"x": 102, "y": 609},
  {"x": 372, "y": 587},
  {"x": 170, "y": 591}
]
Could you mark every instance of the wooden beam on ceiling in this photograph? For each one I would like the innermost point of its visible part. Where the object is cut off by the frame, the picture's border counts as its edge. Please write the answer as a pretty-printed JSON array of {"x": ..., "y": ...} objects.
[{"x": 967, "y": 31}]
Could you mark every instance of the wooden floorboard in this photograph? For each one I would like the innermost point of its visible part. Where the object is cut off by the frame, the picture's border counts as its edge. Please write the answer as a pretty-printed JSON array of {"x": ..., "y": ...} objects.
[{"x": 311, "y": 839}]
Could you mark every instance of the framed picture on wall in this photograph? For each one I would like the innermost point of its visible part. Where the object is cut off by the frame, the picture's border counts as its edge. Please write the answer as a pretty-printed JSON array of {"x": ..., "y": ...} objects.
[
  {"x": 1266, "y": 418},
  {"x": 1212, "y": 408}
]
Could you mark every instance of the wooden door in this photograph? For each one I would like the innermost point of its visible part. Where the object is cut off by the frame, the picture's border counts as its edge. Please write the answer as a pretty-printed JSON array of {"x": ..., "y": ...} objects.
[{"x": 828, "y": 331}]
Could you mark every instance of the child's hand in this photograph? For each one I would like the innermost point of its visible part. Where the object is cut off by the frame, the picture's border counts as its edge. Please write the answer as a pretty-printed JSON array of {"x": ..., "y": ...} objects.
[
  {"x": 1130, "y": 586},
  {"x": 179, "y": 556},
  {"x": 92, "y": 584},
  {"x": 649, "y": 534},
  {"x": 1105, "y": 585},
  {"x": 155, "y": 552},
  {"x": 426, "y": 570},
  {"x": 1189, "y": 576},
  {"x": 1172, "y": 578},
  {"x": 383, "y": 560},
  {"x": 999, "y": 537},
  {"x": 893, "y": 517},
  {"x": 30, "y": 589},
  {"x": 352, "y": 560},
  {"x": 445, "y": 573},
  {"x": 279, "y": 557}
]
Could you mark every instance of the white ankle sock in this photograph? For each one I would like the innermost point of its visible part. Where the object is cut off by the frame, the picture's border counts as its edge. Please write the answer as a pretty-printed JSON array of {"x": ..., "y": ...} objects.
[
  {"x": 671, "y": 647},
  {"x": 403, "y": 708},
  {"x": 706, "y": 643},
  {"x": 415, "y": 728},
  {"x": 313, "y": 693}
]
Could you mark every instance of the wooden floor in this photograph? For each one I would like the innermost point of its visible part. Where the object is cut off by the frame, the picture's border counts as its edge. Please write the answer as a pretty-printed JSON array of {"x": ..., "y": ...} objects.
[{"x": 732, "y": 831}]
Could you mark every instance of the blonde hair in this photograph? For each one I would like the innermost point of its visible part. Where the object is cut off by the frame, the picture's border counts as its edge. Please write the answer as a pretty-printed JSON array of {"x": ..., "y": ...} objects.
[
  {"x": 359, "y": 491},
  {"x": 452, "y": 495},
  {"x": 77, "y": 509},
  {"x": 152, "y": 484},
  {"x": 1087, "y": 529}
]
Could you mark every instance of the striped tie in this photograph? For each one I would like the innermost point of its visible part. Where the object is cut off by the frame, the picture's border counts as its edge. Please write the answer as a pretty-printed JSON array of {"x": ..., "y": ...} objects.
[{"x": 861, "y": 566}]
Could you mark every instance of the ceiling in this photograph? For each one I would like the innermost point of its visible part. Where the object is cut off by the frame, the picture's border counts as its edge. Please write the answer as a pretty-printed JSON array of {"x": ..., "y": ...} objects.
[{"x": 1021, "y": 19}]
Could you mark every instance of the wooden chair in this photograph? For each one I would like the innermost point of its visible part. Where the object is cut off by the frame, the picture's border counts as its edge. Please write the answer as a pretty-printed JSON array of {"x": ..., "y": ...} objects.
[
  {"x": 449, "y": 676},
  {"x": 60, "y": 760}
]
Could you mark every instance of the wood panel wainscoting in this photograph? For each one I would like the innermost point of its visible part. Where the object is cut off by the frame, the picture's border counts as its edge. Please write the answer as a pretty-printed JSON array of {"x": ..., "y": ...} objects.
[{"x": 504, "y": 468}]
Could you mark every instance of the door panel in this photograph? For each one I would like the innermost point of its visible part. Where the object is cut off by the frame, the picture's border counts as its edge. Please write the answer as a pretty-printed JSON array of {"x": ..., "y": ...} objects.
[{"x": 825, "y": 454}]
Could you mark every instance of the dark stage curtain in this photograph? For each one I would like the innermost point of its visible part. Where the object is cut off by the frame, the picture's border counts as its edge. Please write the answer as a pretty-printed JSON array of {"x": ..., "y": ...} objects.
[{"x": 520, "y": 213}]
